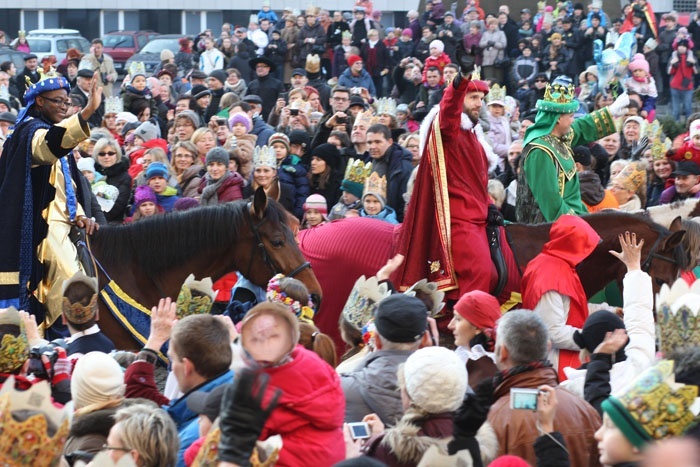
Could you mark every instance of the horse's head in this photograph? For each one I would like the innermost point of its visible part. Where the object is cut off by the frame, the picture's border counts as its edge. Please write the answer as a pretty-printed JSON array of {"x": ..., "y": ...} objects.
[
  {"x": 666, "y": 258},
  {"x": 275, "y": 249}
]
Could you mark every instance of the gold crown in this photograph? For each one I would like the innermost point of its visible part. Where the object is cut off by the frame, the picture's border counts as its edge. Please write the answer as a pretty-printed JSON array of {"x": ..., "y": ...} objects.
[
  {"x": 386, "y": 105},
  {"x": 558, "y": 98},
  {"x": 357, "y": 171},
  {"x": 264, "y": 157},
  {"x": 429, "y": 288},
  {"x": 14, "y": 350},
  {"x": 657, "y": 404},
  {"x": 365, "y": 118},
  {"x": 313, "y": 63},
  {"x": 137, "y": 68},
  {"x": 633, "y": 176},
  {"x": 363, "y": 300},
  {"x": 496, "y": 95},
  {"x": 677, "y": 309},
  {"x": 476, "y": 74},
  {"x": 39, "y": 437},
  {"x": 660, "y": 144},
  {"x": 195, "y": 297},
  {"x": 114, "y": 105},
  {"x": 376, "y": 185}
]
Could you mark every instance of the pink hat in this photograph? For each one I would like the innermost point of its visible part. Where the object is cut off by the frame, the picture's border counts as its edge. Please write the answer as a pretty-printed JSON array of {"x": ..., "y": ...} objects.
[
  {"x": 144, "y": 194},
  {"x": 317, "y": 202},
  {"x": 407, "y": 32},
  {"x": 695, "y": 128},
  {"x": 639, "y": 63}
]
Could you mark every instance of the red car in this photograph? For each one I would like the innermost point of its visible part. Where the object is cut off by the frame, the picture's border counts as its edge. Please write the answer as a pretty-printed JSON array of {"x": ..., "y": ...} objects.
[{"x": 120, "y": 45}]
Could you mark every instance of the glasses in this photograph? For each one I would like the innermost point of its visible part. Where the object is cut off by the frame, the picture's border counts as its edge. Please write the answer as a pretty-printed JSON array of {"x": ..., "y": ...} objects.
[
  {"x": 412, "y": 146},
  {"x": 106, "y": 447},
  {"x": 108, "y": 153},
  {"x": 183, "y": 155},
  {"x": 58, "y": 101}
]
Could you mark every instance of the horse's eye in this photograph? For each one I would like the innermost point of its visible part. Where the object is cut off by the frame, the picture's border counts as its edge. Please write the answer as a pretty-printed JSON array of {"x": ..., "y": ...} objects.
[{"x": 277, "y": 243}]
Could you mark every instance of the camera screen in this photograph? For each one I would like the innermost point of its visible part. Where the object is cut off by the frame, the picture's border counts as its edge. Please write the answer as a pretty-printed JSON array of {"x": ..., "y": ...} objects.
[
  {"x": 359, "y": 430},
  {"x": 523, "y": 399}
]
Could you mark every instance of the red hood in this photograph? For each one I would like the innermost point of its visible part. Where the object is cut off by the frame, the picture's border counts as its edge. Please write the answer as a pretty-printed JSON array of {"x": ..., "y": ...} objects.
[
  {"x": 135, "y": 156},
  {"x": 571, "y": 239}
]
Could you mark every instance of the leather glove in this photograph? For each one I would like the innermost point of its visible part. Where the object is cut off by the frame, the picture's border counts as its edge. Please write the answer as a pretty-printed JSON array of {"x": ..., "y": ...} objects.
[
  {"x": 619, "y": 107},
  {"x": 465, "y": 59},
  {"x": 243, "y": 415},
  {"x": 639, "y": 148}
]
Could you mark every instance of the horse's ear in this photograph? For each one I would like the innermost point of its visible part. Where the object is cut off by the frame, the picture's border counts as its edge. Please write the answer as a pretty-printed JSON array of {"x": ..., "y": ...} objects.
[
  {"x": 674, "y": 240},
  {"x": 259, "y": 203},
  {"x": 676, "y": 224}
]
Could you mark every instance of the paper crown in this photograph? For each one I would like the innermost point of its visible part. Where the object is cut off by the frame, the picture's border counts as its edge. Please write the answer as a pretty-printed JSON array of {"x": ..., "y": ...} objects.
[
  {"x": 376, "y": 185},
  {"x": 363, "y": 301},
  {"x": 633, "y": 176},
  {"x": 38, "y": 439},
  {"x": 429, "y": 288},
  {"x": 677, "y": 320},
  {"x": 558, "y": 98},
  {"x": 346, "y": 35},
  {"x": 357, "y": 171},
  {"x": 195, "y": 297},
  {"x": 660, "y": 144},
  {"x": 496, "y": 95},
  {"x": 654, "y": 406},
  {"x": 364, "y": 118},
  {"x": 137, "y": 68},
  {"x": 114, "y": 105},
  {"x": 386, "y": 105},
  {"x": 303, "y": 311},
  {"x": 313, "y": 63},
  {"x": 14, "y": 350},
  {"x": 264, "y": 157}
]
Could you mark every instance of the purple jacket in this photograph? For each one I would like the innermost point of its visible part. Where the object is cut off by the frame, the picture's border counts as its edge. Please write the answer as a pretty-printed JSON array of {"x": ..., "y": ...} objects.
[{"x": 669, "y": 195}]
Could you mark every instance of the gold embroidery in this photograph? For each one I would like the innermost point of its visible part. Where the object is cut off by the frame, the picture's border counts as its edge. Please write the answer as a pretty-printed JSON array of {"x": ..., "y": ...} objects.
[{"x": 9, "y": 278}]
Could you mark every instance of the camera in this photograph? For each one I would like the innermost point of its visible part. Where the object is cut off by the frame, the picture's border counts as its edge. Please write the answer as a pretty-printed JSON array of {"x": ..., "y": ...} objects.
[
  {"x": 221, "y": 122},
  {"x": 293, "y": 112},
  {"x": 36, "y": 366},
  {"x": 523, "y": 399},
  {"x": 341, "y": 120},
  {"x": 359, "y": 430}
]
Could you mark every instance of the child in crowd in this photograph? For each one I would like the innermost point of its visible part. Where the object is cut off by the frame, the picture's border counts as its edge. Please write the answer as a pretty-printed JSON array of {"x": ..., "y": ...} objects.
[
  {"x": 157, "y": 176},
  {"x": 405, "y": 46},
  {"x": 266, "y": 13},
  {"x": 374, "y": 200},
  {"x": 291, "y": 173},
  {"x": 87, "y": 166},
  {"x": 643, "y": 84},
  {"x": 437, "y": 58},
  {"x": 690, "y": 150},
  {"x": 145, "y": 204},
  {"x": 136, "y": 96},
  {"x": 350, "y": 203},
  {"x": 240, "y": 139},
  {"x": 315, "y": 211},
  {"x": 681, "y": 69}
]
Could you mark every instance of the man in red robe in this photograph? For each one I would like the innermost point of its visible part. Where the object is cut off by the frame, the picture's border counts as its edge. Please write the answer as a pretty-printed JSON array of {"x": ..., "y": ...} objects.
[{"x": 444, "y": 231}]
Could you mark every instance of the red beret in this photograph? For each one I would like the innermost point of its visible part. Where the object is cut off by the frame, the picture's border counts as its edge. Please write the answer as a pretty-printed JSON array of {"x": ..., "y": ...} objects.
[
  {"x": 354, "y": 58},
  {"x": 476, "y": 85},
  {"x": 479, "y": 308}
]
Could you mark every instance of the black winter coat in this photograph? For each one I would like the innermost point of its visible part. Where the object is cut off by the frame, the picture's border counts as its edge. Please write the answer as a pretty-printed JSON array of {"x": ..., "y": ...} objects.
[{"x": 118, "y": 176}]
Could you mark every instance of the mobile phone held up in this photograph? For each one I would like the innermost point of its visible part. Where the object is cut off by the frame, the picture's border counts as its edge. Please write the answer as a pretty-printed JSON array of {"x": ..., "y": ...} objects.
[
  {"x": 523, "y": 399},
  {"x": 359, "y": 430}
]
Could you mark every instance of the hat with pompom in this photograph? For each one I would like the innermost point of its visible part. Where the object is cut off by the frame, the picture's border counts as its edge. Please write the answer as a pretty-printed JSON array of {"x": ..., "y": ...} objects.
[{"x": 639, "y": 63}]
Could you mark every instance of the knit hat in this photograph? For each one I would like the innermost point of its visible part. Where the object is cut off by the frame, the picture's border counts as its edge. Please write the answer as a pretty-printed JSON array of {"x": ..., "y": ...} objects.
[
  {"x": 480, "y": 309},
  {"x": 147, "y": 131},
  {"x": 144, "y": 194},
  {"x": 127, "y": 117},
  {"x": 407, "y": 32},
  {"x": 198, "y": 91},
  {"x": 509, "y": 461},
  {"x": 694, "y": 128},
  {"x": 354, "y": 58},
  {"x": 185, "y": 203},
  {"x": 438, "y": 44},
  {"x": 299, "y": 137},
  {"x": 158, "y": 169},
  {"x": 435, "y": 379},
  {"x": 242, "y": 118},
  {"x": 651, "y": 44},
  {"x": 653, "y": 407},
  {"x": 217, "y": 154},
  {"x": 97, "y": 378},
  {"x": 328, "y": 153},
  {"x": 582, "y": 155},
  {"x": 279, "y": 138},
  {"x": 401, "y": 318},
  {"x": 219, "y": 75},
  {"x": 166, "y": 54},
  {"x": 639, "y": 63},
  {"x": 594, "y": 329},
  {"x": 191, "y": 115},
  {"x": 128, "y": 127},
  {"x": 317, "y": 202},
  {"x": 86, "y": 164}
]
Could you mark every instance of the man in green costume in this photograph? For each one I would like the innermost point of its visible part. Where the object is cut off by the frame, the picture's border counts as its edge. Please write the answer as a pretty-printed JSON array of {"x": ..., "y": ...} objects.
[{"x": 548, "y": 185}]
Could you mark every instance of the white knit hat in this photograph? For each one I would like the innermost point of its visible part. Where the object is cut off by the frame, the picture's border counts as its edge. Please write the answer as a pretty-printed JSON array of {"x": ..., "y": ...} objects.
[
  {"x": 438, "y": 44},
  {"x": 435, "y": 379},
  {"x": 97, "y": 378}
]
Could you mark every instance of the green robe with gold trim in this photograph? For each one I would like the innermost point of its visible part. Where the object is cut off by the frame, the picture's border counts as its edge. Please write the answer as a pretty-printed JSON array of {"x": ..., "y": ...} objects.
[{"x": 548, "y": 185}]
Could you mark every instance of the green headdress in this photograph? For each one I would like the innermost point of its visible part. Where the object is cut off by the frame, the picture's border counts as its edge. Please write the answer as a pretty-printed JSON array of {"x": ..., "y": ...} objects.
[{"x": 558, "y": 99}]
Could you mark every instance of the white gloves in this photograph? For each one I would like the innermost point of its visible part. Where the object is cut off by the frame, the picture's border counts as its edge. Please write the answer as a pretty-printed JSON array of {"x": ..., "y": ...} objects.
[{"x": 619, "y": 107}]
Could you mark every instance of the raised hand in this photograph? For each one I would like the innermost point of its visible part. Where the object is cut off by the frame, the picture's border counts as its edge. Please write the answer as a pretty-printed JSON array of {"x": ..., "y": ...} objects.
[{"x": 631, "y": 254}]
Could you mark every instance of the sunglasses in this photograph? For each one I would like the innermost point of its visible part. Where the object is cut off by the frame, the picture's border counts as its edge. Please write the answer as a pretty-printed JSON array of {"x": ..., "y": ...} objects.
[{"x": 108, "y": 153}]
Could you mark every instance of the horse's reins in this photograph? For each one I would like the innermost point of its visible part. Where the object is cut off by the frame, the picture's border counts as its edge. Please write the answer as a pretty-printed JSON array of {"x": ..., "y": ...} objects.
[
  {"x": 646, "y": 265},
  {"x": 254, "y": 227}
]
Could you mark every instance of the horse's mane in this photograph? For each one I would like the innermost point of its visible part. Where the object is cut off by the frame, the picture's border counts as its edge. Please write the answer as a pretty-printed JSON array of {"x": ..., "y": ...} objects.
[
  {"x": 666, "y": 213},
  {"x": 168, "y": 240}
]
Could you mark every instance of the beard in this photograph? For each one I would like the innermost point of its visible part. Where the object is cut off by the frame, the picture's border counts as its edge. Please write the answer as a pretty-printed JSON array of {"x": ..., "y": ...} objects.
[{"x": 473, "y": 116}]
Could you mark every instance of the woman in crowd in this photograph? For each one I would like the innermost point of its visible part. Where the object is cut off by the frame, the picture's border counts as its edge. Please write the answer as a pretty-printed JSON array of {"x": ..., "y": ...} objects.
[
  {"x": 187, "y": 168},
  {"x": 235, "y": 83},
  {"x": 325, "y": 174},
  {"x": 493, "y": 43},
  {"x": 204, "y": 139},
  {"x": 219, "y": 185},
  {"x": 109, "y": 162}
]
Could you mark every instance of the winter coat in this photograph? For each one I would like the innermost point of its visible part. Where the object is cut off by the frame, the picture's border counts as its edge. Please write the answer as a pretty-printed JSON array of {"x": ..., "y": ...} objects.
[
  {"x": 309, "y": 417},
  {"x": 189, "y": 181},
  {"x": 494, "y": 52},
  {"x": 231, "y": 188},
  {"x": 276, "y": 54},
  {"x": 363, "y": 80},
  {"x": 340, "y": 61},
  {"x": 387, "y": 215},
  {"x": 332, "y": 190},
  {"x": 471, "y": 42},
  {"x": 269, "y": 90},
  {"x": 118, "y": 176},
  {"x": 304, "y": 49},
  {"x": 373, "y": 387},
  {"x": 422, "y": 50},
  {"x": 405, "y": 50},
  {"x": 135, "y": 156},
  {"x": 398, "y": 173},
  {"x": 130, "y": 98},
  {"x": 516, "y": 429},
  {"x": 524, "y": 70},
  {"x": 334, "y": 36},
  {"x": 293, "y": 176},
  {"x": 375, "y": 58},
  {"x": 665, "y": 46},
  {"x": 450, "y": 42}
]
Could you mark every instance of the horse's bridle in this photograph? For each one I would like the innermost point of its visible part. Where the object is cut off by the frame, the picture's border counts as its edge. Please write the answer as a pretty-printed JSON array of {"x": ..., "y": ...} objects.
[
  {"x": 255, "y": 228},
  {"x": 646, "y": 265}
]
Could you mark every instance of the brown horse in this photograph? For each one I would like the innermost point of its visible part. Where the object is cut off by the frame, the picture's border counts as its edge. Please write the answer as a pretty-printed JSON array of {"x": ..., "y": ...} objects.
[
  {"x": 150, "y": 259},
  {"x": 343, "y": 250}
]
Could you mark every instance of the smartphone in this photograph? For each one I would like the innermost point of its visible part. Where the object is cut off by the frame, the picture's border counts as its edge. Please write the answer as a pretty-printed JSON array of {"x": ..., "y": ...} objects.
[
  {"x": 359, "y": 430},
  {"x": 293, "y": 112},
  {"x": 523, "y": 399}
]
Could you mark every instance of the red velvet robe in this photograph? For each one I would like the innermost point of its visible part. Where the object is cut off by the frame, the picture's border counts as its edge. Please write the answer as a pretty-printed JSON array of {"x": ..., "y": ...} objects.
[{"x": 444, "y": 231}]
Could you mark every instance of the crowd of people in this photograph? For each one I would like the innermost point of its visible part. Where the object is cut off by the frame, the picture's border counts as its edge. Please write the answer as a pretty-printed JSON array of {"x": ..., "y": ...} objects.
[{"x": 443, "y": 126}]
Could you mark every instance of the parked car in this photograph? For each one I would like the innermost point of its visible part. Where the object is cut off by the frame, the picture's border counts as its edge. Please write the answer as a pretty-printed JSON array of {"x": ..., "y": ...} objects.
[
  {"x": 120, "y": 45},
  {"x": 10, "y": 55},
  {"x": 150, "y": 54},
  {"x": 56, "y": 42}
]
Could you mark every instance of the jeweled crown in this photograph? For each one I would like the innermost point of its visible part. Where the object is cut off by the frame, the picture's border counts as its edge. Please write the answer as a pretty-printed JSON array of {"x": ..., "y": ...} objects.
[
  {"x": 363, "y": 300},
  {"x": 14, "y": 350},
  {"x": 496, "y": 95},
  {"x": 357, "y": 171},
  {"x": 195, "y": 297},
  {"x": 660, "y": 144},
  {"x": 114, "y": 105},
  {"x": 559, "y": 93},
  {"x": 137, "y": 68},
  {"x": 376, "y": 185},
  {"x": 386, "y": 105},
  {"x": 264, "y": 157},
  {"x": 677, "y": 309}
]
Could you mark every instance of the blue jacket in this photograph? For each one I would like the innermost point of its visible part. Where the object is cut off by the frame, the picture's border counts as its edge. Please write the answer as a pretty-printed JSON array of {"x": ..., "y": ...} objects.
[
  {"x": 387, "y": 214},
  {"x": 293, "y": 176},
  {"x": 262, "y": 130},
  {"x": 187, "y": 421},
  {"x": 348, "y": 80}
]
